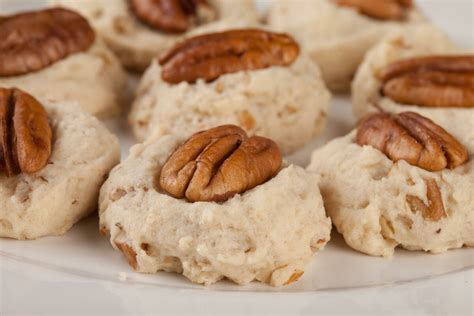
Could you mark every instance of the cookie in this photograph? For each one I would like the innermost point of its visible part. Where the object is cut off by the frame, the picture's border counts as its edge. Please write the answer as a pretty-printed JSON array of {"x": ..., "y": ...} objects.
[
  {"x": 287, "y": 103},
  {"x": 268, "y": 232},
  {"x": 382, "y": 192},
  {"x": 49, "y": 199},
  {"x": 136, "y": 40},
  {"x": 336, "y": 36},
  {"x": 418, "y": 42},
  {"x": 75, "y": 66}
]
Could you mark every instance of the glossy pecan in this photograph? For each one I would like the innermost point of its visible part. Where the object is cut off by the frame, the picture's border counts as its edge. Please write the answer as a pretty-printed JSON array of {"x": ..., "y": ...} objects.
[
  {"x": 433, "y": 81},
  {"x": 173, "y": 16},
  {"x": 212, "y": 55},
  {"x": 379, "y": 9},
  {"x": 216, "y": 164},
  {"x": 25, "y": 133},
  {"x": 34, "y": 40},
  {"x": 434, "y": 211},
  {"x": 411, "y": 137}
]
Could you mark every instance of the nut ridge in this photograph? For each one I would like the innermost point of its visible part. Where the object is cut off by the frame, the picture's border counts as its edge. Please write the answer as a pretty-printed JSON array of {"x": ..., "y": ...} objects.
[
  {"x": 216, "y": 164},
  {"x": 411, "y": 137},
  {"x": 34, "y": 40},
  {"x": 212, "y": 55},
  {"x": 432, "y": 81},
  {"x": 25, "y": 133},
  {"x": 379, "y": 9},
  {"x": 172, "y": 16}
]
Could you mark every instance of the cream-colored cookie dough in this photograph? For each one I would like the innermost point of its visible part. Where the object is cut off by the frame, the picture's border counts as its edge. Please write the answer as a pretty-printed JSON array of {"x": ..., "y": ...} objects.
[
  {"x": 335, "y": 37},
  {"x": 286, "y": 104},
  {"x": 365, "y": 194},
  {"x": 417, "y": 41},
  {"x": 93, "y": 78},
  {"x": 51, "y": 200},
  {"x": 267, "y": 234},
  {"x": 134, "y": 42}
]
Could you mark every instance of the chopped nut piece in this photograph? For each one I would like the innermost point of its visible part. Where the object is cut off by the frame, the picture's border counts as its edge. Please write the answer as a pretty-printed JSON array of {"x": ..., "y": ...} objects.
[
  {"x": 411, "y": 137},
  {"x": 434, "y": 211},
  {"x": 212, "y": 55},
  {"x": 34, "y": 40},
  {"x": 25, "y": 133},
  {"x": 129, "y": 254},
  {"x": 216, "y": 164},
  {"x": 294, "y": 277}
]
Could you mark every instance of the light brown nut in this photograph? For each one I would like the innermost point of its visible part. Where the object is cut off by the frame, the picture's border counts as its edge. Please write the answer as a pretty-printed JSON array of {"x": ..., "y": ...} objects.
[
  {"x": 378, "y": 9},
  {"x": 173, "y": 16},
  {"x": 411, "y": 137},
  {"x": 432, "y": 89},
  {"x": 34, "y": 40},
  {"x": 25, "y": 133},
  {"x": 212, "y": 55},
  {"x": 438, "y": 63},
  {"x": 294, "y": 277},
  {"x": 434, "y": 211},
  {"x": 129, "y": 254},
  {"x": 432, "y": 81},
  {"x": 216, "y": 164}
]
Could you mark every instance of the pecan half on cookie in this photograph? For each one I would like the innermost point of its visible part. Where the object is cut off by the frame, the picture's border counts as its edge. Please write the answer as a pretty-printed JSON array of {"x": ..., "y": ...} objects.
[
  {"x": 411, "y": 137},
  {"x": 212, "y": 55},
  {"x": 34, "y": 40},
  {"x": 432, "y": 81},
  {"x": 379, "y": 9},
  {"x": 25, "y": 133},
  {"x": 216, "y": 164},
  {"x": 173, "y": 16}
]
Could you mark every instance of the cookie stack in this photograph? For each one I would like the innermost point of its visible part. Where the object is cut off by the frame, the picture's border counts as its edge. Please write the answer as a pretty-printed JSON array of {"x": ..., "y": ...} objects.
[{"x": 222, "y": 98}]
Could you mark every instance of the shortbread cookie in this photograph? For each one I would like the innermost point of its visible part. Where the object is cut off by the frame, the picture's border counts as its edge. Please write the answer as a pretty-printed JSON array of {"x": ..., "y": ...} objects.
[
  {"x": 137, "y": 40},
  {"x": 267, "y": 232},
  {"x": 58, "y": 58},
  {"x": 51, "y": 177},
  {"x": 285, "y": 100},
  {"x": 421, "y": 41},
  {"x": 404, "y": 194},
  {"x": 337, "y": 36}
]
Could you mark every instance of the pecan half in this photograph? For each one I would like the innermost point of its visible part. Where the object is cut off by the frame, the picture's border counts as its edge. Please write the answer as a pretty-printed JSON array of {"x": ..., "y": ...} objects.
[
  {"x": 411, "y": 137},
  {"x": 433, "y": 81},
  {"x": 379, "y": 9},
  {"x": 25, "y": 133},
  {"x": 173, "y": 16},
  {"x": 31, "y": 41},
  {"x": 434, "y": 211},
  {"x": 212, "y": 55},
  {"x": 216, "y": 164}
]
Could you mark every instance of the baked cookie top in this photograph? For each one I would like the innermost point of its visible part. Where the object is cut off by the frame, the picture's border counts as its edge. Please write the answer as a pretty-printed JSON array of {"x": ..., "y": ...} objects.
[
  {"x": 268, "y": 232},
  {"x": 399, "y": 179},
  {"x": 51, "y": 174}
]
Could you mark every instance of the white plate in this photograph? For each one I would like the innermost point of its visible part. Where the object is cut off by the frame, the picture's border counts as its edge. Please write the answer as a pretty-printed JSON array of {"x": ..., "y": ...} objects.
[{"x": 42, "y": 273}]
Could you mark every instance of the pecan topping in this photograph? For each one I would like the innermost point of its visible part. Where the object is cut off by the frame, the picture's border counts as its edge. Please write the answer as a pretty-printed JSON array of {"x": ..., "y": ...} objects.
[
  {"x": 212, "y": 55},
  {"x": 379, "y": 9},
  {"x": 433, "y": 81},
  {"x": 173, "y": 16},
  {"x": 216, "y": 164},
  {"x": 434, "y": 211},
  {"x": 34, "y": 40},
  {"x": 411, "y": 137},
  {"x": 25, "y": 133}
]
